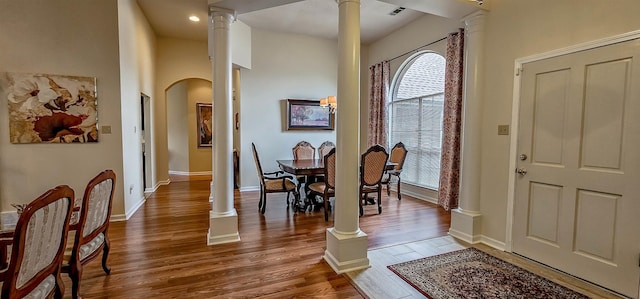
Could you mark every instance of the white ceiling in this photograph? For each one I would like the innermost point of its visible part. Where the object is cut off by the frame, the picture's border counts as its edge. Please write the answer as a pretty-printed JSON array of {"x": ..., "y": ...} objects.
[{"x": 310, "y": 17}]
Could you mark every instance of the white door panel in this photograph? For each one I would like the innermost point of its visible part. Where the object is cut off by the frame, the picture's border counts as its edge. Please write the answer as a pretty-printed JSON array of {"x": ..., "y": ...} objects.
[{"x": 577, "y": 208}]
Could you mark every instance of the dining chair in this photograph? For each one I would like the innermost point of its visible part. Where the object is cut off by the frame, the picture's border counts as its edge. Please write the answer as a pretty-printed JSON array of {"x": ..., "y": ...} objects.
[
  {"x": 324, "y": 149},
  {"x": 38, "y": 244},
  {"x": 90, "y": 228},
  {"x": 398, "y": 155},
  {"x": 303, "y": 150},
  {"x": 273, "y": 182},
  {"x": 372, "y": 165},
  {"x": 326, "y": 189}
]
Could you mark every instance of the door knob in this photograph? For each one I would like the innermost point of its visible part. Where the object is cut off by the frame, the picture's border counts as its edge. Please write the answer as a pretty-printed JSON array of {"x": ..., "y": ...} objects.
[{"x": 521, "y": 171}]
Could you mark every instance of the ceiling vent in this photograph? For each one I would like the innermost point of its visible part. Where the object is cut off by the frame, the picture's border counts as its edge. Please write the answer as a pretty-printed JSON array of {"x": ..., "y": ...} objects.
[{"x": 397, "y": 11}]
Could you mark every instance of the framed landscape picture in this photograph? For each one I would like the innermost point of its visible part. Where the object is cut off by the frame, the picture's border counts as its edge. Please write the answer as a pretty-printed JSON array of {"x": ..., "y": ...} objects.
[{"x": 308, "y": 115}]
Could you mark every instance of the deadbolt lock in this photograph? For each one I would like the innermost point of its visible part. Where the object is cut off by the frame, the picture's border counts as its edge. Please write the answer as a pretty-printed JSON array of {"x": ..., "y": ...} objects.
[
  {"x": 521, "y": 171},
  {"x": 523, "y": 157}
]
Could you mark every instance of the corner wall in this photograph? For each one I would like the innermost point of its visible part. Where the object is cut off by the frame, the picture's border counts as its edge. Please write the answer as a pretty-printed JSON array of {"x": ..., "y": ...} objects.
[
  {"x": 137, "y": 72},
  {"x": 516, "y": 29},
  {"x": 284, "y": 66},
  {"x": 68, "y": 38}
]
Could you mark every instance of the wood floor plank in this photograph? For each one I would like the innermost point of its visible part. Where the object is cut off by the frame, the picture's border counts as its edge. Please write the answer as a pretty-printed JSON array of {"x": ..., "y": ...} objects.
[{"x": 161, "y": 252}]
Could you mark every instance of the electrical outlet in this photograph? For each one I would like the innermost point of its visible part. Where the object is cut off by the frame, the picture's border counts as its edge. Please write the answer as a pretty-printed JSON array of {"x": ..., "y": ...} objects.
[
  {"x": 503, "y": 129},
  {"x": 131, "y": 189}
]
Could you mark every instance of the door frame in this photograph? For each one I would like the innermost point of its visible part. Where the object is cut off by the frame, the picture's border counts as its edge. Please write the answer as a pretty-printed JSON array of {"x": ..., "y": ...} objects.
[{"x": 515, "y": 113}]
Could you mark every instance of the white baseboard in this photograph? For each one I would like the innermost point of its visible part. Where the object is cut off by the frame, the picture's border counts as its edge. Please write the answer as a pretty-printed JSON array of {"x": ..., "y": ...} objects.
[
  {"x": 249, "y": 188},
  {"x": 492, "y": 243},
  {"x": 190, "y": 172},
  {"x": 419, "y": 196},
  {"x": 134, "y": 209}
]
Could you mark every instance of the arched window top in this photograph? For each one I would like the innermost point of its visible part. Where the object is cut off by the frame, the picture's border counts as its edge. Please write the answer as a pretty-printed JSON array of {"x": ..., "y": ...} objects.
[
  {"x": 421, "y": 76},
  {"x": 415, "y": 117}
]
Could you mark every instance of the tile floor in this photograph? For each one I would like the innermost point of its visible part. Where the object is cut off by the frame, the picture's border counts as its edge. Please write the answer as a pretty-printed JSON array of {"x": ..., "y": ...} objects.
[{"x": 379, "y": 282}]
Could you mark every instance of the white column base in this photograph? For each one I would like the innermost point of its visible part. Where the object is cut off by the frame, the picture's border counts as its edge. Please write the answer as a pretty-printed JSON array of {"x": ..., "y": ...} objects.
[
  {"x": 465, "y": 225},
  {"x": 223, "y": 228},
  {"x": 346, "y": 252}
]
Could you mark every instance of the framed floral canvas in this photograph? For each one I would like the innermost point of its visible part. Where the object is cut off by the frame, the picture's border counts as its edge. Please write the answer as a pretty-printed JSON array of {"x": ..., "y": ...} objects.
[{"x": 46, "y": 108}]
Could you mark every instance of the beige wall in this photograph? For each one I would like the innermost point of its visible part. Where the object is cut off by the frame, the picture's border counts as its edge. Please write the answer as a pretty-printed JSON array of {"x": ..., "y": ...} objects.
[
  {"x": 177, "y": 59},
  {"x": 137, "y": 51},
  {"x": 516, "y": 29},
  {"x": 177, "y": 128},
  {"x": 67, "y": 38},
  {"x": 198, "y": 91},
  {"x": 184, "y": 154}
]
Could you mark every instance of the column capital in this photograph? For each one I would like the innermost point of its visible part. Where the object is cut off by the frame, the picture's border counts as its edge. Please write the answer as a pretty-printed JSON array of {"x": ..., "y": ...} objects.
[
  {"x": 347, "y": 1},
  {"x": 474, "y": 21},
  {"x": 224, "y": 12}
]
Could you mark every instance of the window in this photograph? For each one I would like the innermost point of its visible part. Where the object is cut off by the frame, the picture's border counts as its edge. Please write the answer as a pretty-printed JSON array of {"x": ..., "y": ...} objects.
[{"x": 416, "y": 105}]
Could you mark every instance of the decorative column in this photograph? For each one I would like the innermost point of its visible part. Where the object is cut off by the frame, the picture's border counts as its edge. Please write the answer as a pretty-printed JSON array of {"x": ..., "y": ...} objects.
[
  {"x": 346, "y": 243},
  {"x": 466, "y": 219},
  {"x": 223, "y": 218}
]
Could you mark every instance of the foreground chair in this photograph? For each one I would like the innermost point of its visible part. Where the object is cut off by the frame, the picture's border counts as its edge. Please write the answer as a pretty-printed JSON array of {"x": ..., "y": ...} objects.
[
  {"x": 38, "y": 244},
  {"x": 91, "y": 228},
  {"x": 273, "y": 182},
  {"x": 327, "y": 188},
  {"x": 398, "y": 155},
  {"x": 372, "y": 165}
]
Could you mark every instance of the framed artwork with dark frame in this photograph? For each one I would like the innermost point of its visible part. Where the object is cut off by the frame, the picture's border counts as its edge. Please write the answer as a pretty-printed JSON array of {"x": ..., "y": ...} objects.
[
  {"x": 308, "y": 115},
  {"x": 205, "y": 124}
]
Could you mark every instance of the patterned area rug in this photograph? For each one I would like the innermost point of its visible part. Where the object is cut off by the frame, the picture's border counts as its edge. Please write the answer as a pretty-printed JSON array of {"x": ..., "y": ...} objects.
[{"x": 471, "y": 273}]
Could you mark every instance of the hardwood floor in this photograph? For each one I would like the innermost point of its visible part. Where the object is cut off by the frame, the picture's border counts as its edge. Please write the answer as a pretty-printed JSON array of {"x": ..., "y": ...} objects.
[{"x": 161, "y": 251}]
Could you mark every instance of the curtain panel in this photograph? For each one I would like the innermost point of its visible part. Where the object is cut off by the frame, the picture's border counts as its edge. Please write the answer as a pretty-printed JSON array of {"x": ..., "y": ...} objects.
[
  {"x": 449, "y": 186},
  {"x": 378, "y": 99}
]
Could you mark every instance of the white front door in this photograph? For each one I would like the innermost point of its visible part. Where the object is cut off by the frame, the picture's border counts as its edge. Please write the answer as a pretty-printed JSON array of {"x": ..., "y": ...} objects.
[{"x": 577, "y": 200}]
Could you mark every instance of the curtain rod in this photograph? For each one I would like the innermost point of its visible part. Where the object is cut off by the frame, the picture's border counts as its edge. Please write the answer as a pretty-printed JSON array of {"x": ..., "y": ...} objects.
[{"x": 418, "y": 48}]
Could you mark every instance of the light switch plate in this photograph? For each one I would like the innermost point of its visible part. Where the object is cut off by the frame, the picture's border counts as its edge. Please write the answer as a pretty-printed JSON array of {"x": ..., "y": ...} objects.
[
  {"x": 106, "y": 129},
  {"x": 503, "y": 129}
]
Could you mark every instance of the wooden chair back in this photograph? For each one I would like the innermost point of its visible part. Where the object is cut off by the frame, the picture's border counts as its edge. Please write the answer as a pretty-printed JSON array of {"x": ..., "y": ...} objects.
[
  {"x": 257, "y": 160},
  {"x": 38, "y": 247},
  {"x": 91, "y": 237},
  {"x": 324, "y": 148},
  {"x": 304, "y": 150},
  {"x": 372, "y": 165},
  {"x": 398, "y": 155},
  {"x": 330, "y": 169}
]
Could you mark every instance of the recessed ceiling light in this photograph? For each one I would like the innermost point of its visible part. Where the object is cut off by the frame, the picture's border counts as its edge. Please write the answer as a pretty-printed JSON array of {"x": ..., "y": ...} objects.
[{"x": 194, "y": 19}]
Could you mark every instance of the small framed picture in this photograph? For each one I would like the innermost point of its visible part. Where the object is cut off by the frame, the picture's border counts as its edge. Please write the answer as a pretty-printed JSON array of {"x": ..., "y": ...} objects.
[
  {"x": 205, "y": 124},
  {"x": 308, "y": 115}
]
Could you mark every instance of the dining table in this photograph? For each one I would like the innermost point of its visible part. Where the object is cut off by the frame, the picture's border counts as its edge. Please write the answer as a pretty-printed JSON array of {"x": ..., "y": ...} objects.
[{"x": 309, "y": 167}]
